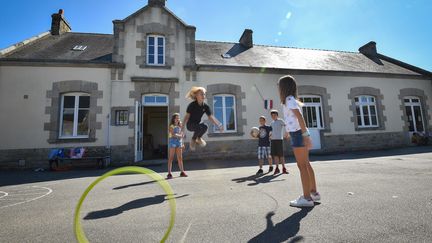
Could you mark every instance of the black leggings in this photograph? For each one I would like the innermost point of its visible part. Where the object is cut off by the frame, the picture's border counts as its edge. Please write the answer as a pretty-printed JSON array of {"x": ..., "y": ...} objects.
[{"x": 198, "y": 129}]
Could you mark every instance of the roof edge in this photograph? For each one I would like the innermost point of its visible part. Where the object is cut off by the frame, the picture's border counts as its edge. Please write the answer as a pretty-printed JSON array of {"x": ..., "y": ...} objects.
[
  {"x": 23, "y": 43},
  {"x": 406, "y": 65},
  {"x": 163, "y": 7},
  {"x": 58, "y": 63},
  {"x": 213, "y": 68}
]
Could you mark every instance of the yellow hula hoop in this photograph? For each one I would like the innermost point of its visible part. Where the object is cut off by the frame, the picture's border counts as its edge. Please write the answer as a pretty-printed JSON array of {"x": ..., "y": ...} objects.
[{"x": 79, "y": 232}]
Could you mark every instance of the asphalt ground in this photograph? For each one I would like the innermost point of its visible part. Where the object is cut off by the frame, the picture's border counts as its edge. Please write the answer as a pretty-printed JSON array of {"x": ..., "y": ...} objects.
[{"x": 373, "y": 196}]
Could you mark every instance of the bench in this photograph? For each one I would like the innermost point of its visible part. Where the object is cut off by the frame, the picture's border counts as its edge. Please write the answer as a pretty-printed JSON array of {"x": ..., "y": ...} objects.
[{"x": 60, "y": 162}]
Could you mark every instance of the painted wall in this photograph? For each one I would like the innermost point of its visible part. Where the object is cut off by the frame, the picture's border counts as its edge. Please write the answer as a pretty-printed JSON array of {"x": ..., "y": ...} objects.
[{"x": 22, "y": 120}]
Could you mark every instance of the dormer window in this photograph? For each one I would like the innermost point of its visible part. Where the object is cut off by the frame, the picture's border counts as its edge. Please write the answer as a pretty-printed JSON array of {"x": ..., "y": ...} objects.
[
  {"x": 155, "y": 50},
  {"x": 79, "y": 48}
]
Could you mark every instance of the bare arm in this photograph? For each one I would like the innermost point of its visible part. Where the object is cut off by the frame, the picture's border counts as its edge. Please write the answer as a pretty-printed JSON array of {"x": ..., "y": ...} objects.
[
  {"x": 302, "y": 123},
  {"x": 216, "y": 122}
]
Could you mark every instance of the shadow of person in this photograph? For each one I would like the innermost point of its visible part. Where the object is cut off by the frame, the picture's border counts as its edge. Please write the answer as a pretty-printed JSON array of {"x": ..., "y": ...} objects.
[
  {"x": 257, "y": 179},
  {"x": 287, "y": 229},
  {"x": 138, "y": 203},
  {"x": 137, "y": 184}
]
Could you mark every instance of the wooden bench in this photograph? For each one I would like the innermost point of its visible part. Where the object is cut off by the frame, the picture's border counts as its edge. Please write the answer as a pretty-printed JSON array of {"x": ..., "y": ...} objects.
[{"x": 100, "y": 160}]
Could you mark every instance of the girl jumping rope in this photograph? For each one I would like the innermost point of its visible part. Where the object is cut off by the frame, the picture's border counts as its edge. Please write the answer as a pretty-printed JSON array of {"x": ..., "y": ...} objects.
[
  {"x": 175, "y": 144},
  {"x": 194, "y": 113},
  {"x": 300, "y": 140}
]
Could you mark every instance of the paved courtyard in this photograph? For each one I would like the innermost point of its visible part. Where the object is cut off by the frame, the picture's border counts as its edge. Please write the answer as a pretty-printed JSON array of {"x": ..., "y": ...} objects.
[{"x": 376, "y": 196}]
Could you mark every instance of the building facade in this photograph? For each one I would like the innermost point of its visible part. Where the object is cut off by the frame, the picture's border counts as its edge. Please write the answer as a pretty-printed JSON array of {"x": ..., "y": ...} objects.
[{"x": 117, "y": 92}]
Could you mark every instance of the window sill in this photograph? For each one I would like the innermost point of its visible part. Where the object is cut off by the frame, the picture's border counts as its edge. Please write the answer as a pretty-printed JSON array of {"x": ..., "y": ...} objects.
[
  {"x": 155, "y": 66},
  {"x": 227, "y": 134},
  {"x": 369, "y": 128},
  {"x": 71, "y": 140}
]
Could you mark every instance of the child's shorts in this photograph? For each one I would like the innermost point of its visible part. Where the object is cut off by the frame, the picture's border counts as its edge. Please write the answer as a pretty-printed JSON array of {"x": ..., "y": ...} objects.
[
  {"x": 277, "y": 147},
  {"x": 175, "y": 143},
  {"x": 264, "y": 152},
  {"x": 297, "y": 140}
]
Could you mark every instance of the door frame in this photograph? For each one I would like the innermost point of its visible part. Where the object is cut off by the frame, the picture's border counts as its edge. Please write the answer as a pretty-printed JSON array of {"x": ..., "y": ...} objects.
[
  {"x": 315, "y": 131},
  {"x": 161, "y": 100}
]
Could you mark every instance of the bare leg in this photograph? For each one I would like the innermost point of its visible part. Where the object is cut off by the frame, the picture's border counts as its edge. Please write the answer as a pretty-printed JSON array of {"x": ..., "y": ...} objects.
[
  {"x": 302, "y": 156},
  {"x": 276, "y": 161},
  {"x": 170, "y": 159},
  {"x": 270, "y": 161},
  {"x": 312, "y": 182},
  {"x": 179, "y": 152},
  {"x": 261, "y": 162}
]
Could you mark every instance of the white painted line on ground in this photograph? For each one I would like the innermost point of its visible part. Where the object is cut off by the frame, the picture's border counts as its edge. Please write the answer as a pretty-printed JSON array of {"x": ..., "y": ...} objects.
[
  {"x": 5, "y": 194},
  {"x": 183, "y": 239},
  {"x": 29, "y": 200}
]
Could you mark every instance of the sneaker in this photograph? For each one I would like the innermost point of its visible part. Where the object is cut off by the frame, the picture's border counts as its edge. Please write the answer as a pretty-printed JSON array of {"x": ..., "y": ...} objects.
[
  {"x": 284, "y": 171},
  {"x": 259, "y": 172},
  {"x": 192, "y": 145},
  {"x": 270, "y": 169},
  {"x": 182, "y": 174},
  {"x": 315, "y": 196},
  {"x": 201, "y": 142},
  {"x": 276, "y": 171},
  {"x": 302, "y": 202},
  {"x": 169, "y": 176}
]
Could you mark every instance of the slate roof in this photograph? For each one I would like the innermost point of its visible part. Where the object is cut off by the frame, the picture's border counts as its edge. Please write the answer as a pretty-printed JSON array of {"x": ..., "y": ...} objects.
[
  {"x": 209, "y": 53},
  {"x": 59, "y": 48},
  {"x": 260, "y": 56}
]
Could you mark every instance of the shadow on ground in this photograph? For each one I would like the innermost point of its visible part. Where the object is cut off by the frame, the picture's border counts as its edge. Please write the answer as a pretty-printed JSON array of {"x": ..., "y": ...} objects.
[
  {"x": 8, "y": 178},
  {"x": 138, "y": 203},
  {"x": 283, "y": 231}
]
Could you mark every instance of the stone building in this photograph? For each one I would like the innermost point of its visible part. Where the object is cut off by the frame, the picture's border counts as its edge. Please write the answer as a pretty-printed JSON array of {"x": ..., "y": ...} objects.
[{"x": 117, "y": 91}]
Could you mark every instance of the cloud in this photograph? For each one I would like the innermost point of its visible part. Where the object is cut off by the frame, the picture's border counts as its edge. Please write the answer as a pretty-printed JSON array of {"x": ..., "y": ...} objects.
[
  {"x": 279, "y": 33},
  {"x": 288, "y": 15}
]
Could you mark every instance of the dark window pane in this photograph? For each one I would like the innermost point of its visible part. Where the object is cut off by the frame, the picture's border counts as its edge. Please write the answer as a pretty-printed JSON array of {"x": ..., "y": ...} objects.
[
  {"x": 161, "y": 99},
  {"x": 149, "y": 99},
  {"x": 151, "y": 41},
  {"x": 160, "y": 59},
  {"x": 409, "y": 118},
  {"x": 320, "y": 117},
  {"x": 68, "y": 118},
  {"x": 316, "y": 100},
  {"x": 84, "y": 102},
  {"x": 314, "y": 117},
  {"x": 151, "y": 59},
  {"x": 83, "y": 122},
  {"x": 160, "y": 50},
  {"x": 374, "y": 121},
  {"x": 365, "y": 110},
  {"x": 416, "y": 100},
  {"x": 69, "y": 102},
  {"x": 307, "y": 100},
  {"x": 358, "y": 110},
  {"x": 359, "y": 122},
  {"x": 230, "y": 119},
  {"x": 418, "y": 118},
  {"x": 160, "y": 41},
  {"x": 356, "y": 99},
  {"x": 406, "y": 100},
  {"x": 372, "y": 110}
]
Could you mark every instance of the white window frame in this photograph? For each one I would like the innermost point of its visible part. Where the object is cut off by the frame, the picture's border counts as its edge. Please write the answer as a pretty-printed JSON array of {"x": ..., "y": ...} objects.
[
  {"x": 317, "y": 105},
  {"x": 155, "y": 103},
  {"x": 75, "y": 122},
  {"x": 121, "y": 113},
  {"x": 224, "y": 116},
  {"x": 156, "y": 54},
  {"x": 411, "y": 104},
  {"x": 368, "y": 104}
]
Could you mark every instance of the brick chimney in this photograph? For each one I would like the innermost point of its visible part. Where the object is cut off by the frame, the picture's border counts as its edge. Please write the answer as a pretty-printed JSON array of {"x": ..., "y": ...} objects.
[
  {"x": 246, "y": 38},
  {"x": 59, "y": 25},
  {"x": 369, "y": 49},
  {"x": 156, "y": 3}
]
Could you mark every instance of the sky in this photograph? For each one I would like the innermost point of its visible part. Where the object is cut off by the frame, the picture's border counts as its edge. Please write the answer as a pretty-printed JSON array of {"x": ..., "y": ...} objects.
[{"x": 401, "y": 28}]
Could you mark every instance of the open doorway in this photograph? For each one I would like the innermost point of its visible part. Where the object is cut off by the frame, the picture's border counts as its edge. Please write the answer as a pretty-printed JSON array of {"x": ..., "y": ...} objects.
[{"x": 155, "y": 132}]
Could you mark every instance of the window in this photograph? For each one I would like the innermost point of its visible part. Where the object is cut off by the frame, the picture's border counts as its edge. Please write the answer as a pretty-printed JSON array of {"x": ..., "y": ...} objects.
[
  {"x": 414, "y": 114},
  {"x": 74, "y": 115},
  {"x": 155, "y": 50},
  {"x": 366, "y": 111},
  {"x": 312, "y": 111},
  {"x": 79, "y": 48},
  {"x": 224, "y": 111},
  {"x": 121, "y": 117},
  {"x": 155, "y": 100}
]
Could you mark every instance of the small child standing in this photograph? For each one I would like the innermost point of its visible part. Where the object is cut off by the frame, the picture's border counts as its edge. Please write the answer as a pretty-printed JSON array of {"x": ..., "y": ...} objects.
[
  {"x": 175, "y": 144},
  {"x": 277, "y": 136},
  {"x": 264, "y": 145},
  {"x": 194, "y": 113},
  {"x": 300, "y": 141}
]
